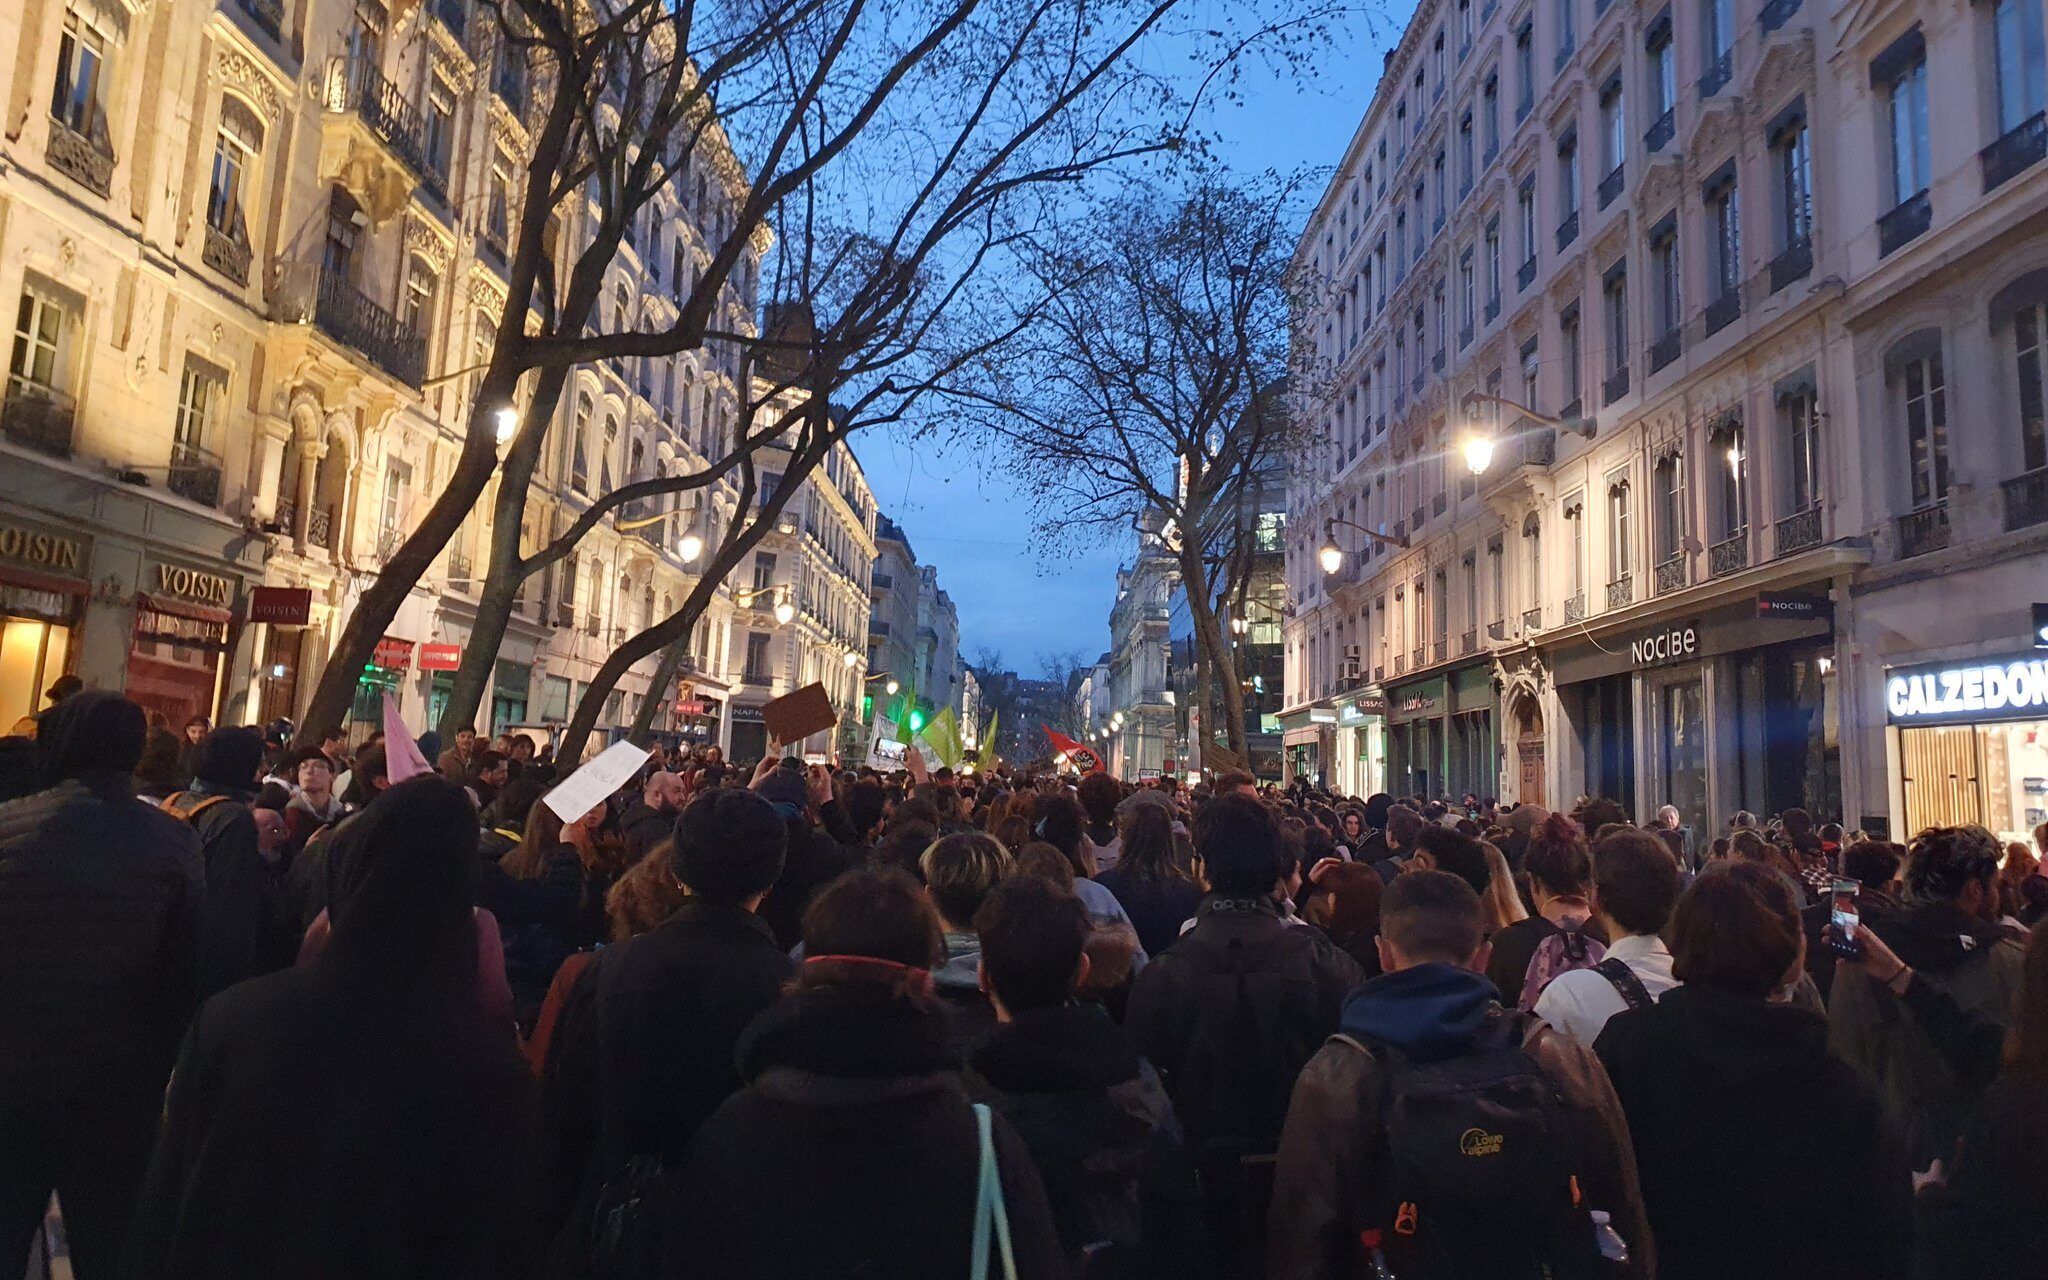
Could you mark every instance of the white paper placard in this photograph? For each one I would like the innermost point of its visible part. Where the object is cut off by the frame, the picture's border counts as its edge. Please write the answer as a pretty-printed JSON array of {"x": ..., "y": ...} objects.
[{"x": 594, "y": 783}]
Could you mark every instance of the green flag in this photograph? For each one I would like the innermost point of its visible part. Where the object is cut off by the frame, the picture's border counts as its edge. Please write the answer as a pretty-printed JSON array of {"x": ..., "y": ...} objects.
[
  {"x": 943, "y": 734},
  {"x": 988, "y": 737}
]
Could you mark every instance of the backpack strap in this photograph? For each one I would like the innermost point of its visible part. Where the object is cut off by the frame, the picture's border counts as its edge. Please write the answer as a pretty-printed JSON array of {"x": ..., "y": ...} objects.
[
  {"x": 173, "y": 805},
  {"x": 1633, "y": 993},
  {"x": 1574, "y": 944}
]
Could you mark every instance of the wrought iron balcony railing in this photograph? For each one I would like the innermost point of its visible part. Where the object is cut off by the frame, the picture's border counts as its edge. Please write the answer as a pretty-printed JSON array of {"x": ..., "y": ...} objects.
[
  {"x": 1924, "y": 530},
  {"x": 1795, "y": 263},
  {"x": 2026, "y": 499},
  {"x": 1532, "y": 619},
  {"x": 1568, "y": 230},
  {"x": 1798, "y": 531},
  {"x": 1660, "y": 132},
  {"x": 226, "y": 253},
  {"x": 1671, "y": 573},
  {"x": 1904, "y": 224},
  {"x": 87, "y": 161},
  {"x": 1621, "y": 592},
  {"x": 1718, "y": 73},
  {"x": 1724, "y": 310},
  {"x": 1610, "y": 186},
  {"x": 39, "y": 417},
  {"x": 1665, "y": 349},
  {"x": 1575, "y": 608},
  {"x": 1614, "y": 386},
  {"x": 1775, "y": 14},
  {"x": 1729, "y": 555},
  {"x": 1525, "y": 275},
  {"x": 2019, "y": 149},
  {"x": 195, "y": 473}
]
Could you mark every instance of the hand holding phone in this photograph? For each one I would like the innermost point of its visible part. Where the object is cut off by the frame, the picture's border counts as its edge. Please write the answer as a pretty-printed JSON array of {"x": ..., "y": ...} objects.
[{"x": 1844, "y": 923}]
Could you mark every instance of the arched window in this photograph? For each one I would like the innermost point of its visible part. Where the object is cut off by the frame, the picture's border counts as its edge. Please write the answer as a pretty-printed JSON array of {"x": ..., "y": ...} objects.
[{"x": 579, "y": 460}]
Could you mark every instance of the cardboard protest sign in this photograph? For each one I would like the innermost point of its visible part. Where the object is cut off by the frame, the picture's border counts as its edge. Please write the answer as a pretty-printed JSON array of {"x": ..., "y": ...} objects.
[
  {"x": 795, "y": 716},
  {"x": 591, "y": 785}
]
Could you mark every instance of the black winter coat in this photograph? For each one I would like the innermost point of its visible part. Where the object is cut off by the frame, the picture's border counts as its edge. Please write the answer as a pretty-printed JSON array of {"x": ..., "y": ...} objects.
[
  {"x": 542, "y": 921},
  {"x": 327, "y": 1123},
  {"x": 645, "y": 1049},
  {"x": 244, "y": 904},
  {"x": 851, "y": 1153},
  {"x": 642, "y": 826},
  {"x": 1231, "y": 1014},
  {"x": 814, "y": 860},
  {"x": 1760, "y": 1155},
  {"x": 1102, "y": 1133},
  {"x": 102, "y": 899},
  {"x": 1987, "y": 1220},
  {"x": 1157, "y": 906}
]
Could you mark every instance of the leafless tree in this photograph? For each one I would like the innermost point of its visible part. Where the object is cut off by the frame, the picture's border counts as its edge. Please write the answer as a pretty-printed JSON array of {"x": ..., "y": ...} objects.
[{"x": 1160, "y": 387}]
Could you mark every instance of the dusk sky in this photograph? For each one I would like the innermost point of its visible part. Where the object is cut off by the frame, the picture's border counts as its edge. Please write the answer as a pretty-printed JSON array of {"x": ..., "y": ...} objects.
[{"x": 965, "y": 518}]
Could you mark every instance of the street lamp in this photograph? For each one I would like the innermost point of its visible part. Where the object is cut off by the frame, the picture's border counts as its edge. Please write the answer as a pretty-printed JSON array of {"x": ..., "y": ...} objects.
[
  {"x": 1478, "y": 451},
  {"x": 507, "y": 422},
  {"x": 690, "y": 547},
  {"x": 1480, "y": 446},
  {"x": 1332, "y": 556},
  {"x": 784, "y": 611},
  {"x": 851, "y": 657},
  {"x": 1240, "y": 625}
]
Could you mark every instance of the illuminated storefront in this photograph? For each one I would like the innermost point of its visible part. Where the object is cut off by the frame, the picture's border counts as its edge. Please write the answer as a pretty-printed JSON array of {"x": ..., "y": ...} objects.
[
  {"x": 1971, "y": 739},
  {"x": 42, "y": 589}
]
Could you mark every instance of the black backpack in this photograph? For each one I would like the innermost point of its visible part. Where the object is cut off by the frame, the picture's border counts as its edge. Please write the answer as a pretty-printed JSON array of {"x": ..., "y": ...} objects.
[{"x": 1478, "y": 1178}]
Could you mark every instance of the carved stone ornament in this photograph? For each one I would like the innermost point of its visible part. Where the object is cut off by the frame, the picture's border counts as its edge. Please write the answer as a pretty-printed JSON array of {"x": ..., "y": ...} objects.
[
  {"x": 1787, "y": 62},
  {"x": 1613, "y": 242},
  {"x": 1657, "y": 192},
  {"x": 485, "y": 292},
  {"x": 423, "y": 239},
  {"x": 1716, "y": 134},
  {"x": 236, "y": 70}
]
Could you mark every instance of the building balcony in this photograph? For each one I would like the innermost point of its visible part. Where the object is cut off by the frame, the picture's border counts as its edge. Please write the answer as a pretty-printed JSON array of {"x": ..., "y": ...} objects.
[
  {"x": 38, "y": 417},
  {"x": 1417, "y": 381},
  {"x": 1924, "y": 530},
  {"x": 1400, "y": 664},
  {"x": 1795, "y": 263},
  {"x": 1671, "y": 574},
  {"x": 1464, "y": 336},
  {"x": 1724, "y": 310},
  {"x": 268, "y": 15},
  {"x": 1575, "y": 608},
  {"x": 1525, "y": 275},
  {"x": 1621, "y": 593},
  {"x": 1532, "y": 620},
  {"x": 2026, "y": 499},
  {"x": 1576, "y": 409},
  {"x": 1610, "y": 186},
  {"x": 342, "y": 312},
  {"x": 1568, "y": 230},
  {"x": 1614, "y": 386},
  {"x": 461, "y": 572},
  {"x": 362, "y": 103},
  {"x": 1497, "y": 631},
  {"x": 1729, "y": 555},
  {"x": 1469, "y": 642},
  {"x": 1797, "y": 531},
  {"x": 1493, "y": 308},
  {"x": 1665, "y": 349},
  {"x": 320, "y": 528},
  {"x": 1440, "y": 650},
  {"x": 2021, "y": 148},
  {"x": 195, "y": 474},
  {"x": 1564, "y": 57},
  {"x": 1904, "y": 224},
  {"x": 226, "y": 253},
  {"x": 1439, "y": 504},
  {"x": 1775, "y": 14},
  {"x": 388, "y": 542},
  {"x": 1660, "y": 132},
  {"x": 87, "y": 161},
  {"x": 1718, "y": 73}
]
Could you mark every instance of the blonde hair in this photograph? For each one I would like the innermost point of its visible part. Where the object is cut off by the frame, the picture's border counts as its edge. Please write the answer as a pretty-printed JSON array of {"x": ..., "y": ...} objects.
[{"x": 1503, "y": 905}]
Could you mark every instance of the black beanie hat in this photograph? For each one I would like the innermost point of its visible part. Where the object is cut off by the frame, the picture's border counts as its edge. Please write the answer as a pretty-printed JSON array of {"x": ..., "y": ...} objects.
[
  {"x": 231, "y": 758},
  {"x": 729, "y": 845},
  {"x": 92, "y": 731}
]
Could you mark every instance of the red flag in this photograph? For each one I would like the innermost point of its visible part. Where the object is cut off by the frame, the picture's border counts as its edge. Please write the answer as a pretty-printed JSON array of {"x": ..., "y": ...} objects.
[{"x": 1085, "y": 757}]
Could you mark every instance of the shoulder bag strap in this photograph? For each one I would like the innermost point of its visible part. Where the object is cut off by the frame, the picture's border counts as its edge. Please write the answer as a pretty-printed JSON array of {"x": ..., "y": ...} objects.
[
  {"x": 1633, "y": 993},
  {"x": 989, "y": 1209}
]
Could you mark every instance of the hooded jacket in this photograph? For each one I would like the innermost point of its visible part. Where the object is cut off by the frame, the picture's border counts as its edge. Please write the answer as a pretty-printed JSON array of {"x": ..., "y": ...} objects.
[
  {"x": 1977, "y": 964},
  {"x": 853, "y": 1111},
  {"x": 1102, "y": 1133},
  {"x": 102, "y": 899},
  {"x": 1322, "y": 1192},
  {"x": 642, "y": 826},
  {"x": 1762, "y": 1155}
]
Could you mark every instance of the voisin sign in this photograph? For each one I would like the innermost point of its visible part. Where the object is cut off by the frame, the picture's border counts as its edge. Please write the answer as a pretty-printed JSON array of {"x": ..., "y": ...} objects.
[{"x": 1994, "y": 689}]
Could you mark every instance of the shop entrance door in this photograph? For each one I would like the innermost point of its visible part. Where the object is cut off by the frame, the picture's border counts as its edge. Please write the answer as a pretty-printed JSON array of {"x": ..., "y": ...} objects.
[
  {"x": 1942, "y": 770},
  {"x": 1529, "y": 751}
]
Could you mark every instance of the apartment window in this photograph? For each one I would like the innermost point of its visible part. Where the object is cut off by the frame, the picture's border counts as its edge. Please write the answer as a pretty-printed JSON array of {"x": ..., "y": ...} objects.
[
  {"x": 1614, "y": 292},
  {"x": 604, "y": 459},
  {"x": 579, "y": 465},
  {"x": 1567, "y": 30},
  {"x": 1401, "y": 131},
  {"x": 1568, "y": 174},
  {"x": 1613, "y": 124},
  {"x": 1620, "y": 528},
  {"x": 1574, "y": 518},
  {"x": 1525, "y": 68},
  {"x": 1664, "y": 266},
  {"x": 1531, "y": 368},
  {"x": 345, "y": 220},
  {"x": 1525, "y": 218},
  {"x": 1489, "y": 115},
  {"x": 1905, "y": 88},
  {"x": 2022, "y": 62},
  {"x": 1468, "y": 297},
  {"x": 1443, "y": 187},
  {"x": 1468, "y": 159},
  {"x": 1574, "y": 361},
  {"x": 235, "y": 146},
  {"x": 81, "y": 69},
  {"x": 1464, "y": 25},
  {"x": 200, "y": 393},
  {"x": 1663, "y": 66},
  {"x": 41, "y": 343},
  {"x": 1731, "y": 460},
  {"x": 397, "y": 489},
  {"x": 1493, "y": 265},
  {"x": 1496, "y": 581},
  {"x": 1923, "y": 403},
  {"x": 1439, "y": 304},
  {"x": 1792, "y": 170},
  {"x": 1440, "y": 68},
  {"x": 1440, "y": 617},
  {"x": 2030, "y": 349},
  {"x": 757, "y": 657},
  {"x": 1724, "y": 232},
  {"x": 1421, "y": 220},
  {"x": 1670, "y": 513},
  {"x": 417, "y": 309},
  {"x": 764, "y": 570},
  {"x": 1532, "y": 543},
  {"x": 1799, "y": 426},
  {"x": 440, "y": 123},
  {"x": 366, "y": 34},
  {"x": 1717, "y": 39}
]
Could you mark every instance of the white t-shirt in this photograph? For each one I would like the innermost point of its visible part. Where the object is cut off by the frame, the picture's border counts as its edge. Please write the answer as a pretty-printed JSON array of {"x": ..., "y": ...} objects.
[{"x": 1579, "y": 1003}]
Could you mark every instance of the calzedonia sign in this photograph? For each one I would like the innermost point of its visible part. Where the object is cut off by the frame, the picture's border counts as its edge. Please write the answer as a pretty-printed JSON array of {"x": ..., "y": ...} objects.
[{"x": 1982, "y": 689}]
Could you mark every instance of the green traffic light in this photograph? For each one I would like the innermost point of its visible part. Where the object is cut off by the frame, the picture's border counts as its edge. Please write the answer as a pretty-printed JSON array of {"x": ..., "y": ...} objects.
[{"x": 916, "y": 721}]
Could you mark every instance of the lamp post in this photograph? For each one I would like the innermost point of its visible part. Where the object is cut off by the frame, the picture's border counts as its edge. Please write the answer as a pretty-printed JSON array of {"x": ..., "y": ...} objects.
[
  {"x": 1479, "y": 446},
  {"x": 1332, "y": 556},
  {"x": 783, "y": 611}
]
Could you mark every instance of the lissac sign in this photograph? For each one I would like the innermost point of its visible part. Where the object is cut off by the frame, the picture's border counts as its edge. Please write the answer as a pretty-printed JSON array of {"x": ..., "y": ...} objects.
[{"x": 2000, "y": 689}]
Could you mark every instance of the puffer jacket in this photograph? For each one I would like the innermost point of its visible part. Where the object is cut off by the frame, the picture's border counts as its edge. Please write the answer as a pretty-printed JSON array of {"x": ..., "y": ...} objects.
[
  {"x": 1977, "y": 964},
  {"x": 102, "y": 899}
]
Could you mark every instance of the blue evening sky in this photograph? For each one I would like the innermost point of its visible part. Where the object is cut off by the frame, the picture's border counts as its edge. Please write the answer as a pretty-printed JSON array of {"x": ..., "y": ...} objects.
[{"x": 962, "y": 516}]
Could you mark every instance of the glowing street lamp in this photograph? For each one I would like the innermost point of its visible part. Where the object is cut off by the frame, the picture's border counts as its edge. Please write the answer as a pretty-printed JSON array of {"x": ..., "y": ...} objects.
[
  {"x": 1478, "y": 451},
  {"x": 689, "y": 547},
  {"x": 507, "y": 423},
  {"x": 851, "y": 657}
]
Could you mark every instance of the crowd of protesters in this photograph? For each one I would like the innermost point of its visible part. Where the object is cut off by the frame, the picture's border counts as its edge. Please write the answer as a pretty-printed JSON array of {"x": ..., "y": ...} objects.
[{"x": 264, "y": 1012}]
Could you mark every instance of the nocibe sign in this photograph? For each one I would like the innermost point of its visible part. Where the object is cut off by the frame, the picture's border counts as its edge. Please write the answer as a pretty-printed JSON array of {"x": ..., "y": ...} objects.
[{"x": 1673, "y": 644}]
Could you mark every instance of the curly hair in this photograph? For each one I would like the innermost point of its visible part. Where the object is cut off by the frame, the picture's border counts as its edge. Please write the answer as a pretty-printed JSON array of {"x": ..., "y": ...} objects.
[{"x": 1558, "y": 857}]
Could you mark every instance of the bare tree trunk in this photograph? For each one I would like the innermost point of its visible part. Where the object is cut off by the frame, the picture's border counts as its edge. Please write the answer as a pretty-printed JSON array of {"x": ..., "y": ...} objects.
[{"x": 1210, "y": 648}]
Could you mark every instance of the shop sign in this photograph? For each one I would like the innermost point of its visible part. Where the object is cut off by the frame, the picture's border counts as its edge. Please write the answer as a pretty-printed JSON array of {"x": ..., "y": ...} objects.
[
  {"x": 1673, "y": 644},
  {"x": 2041, "y": 626},
  {"x": 692, "y": 707},
  {"x": 1371, "y": 704},
  {"x": 752, "y": 715},
  {"x": 1999, "y": 689},
  {"x": 281, "y": 606},
  {"x": 392, "y": 654},
  {"x": 1322, "y": 715},
  {"x": 190, "y": 584},
  {"x": 40, "y": 550},
  {"x": 440, "y": 657},
  {"x": 1793, "y": 604},
  {"x": 158, "y": 626}
]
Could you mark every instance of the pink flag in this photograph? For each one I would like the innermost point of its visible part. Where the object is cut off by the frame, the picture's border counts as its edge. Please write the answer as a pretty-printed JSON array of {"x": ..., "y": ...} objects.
[{"x": 402, "y": 758}]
